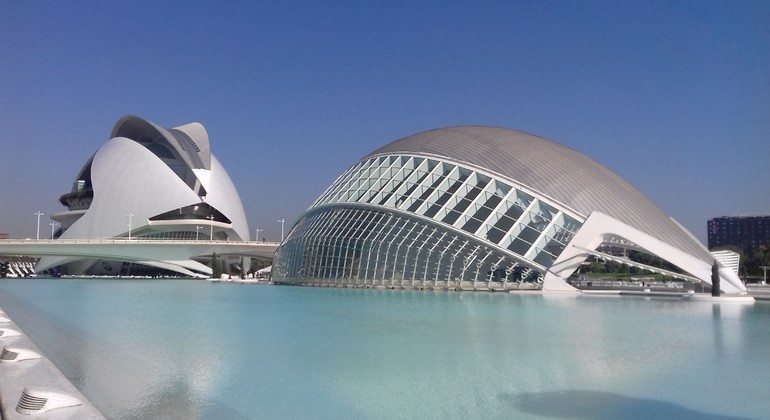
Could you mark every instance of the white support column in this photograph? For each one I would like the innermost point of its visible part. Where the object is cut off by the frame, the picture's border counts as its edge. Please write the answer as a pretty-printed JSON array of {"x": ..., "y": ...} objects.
[{"x": 598, "y": 226}]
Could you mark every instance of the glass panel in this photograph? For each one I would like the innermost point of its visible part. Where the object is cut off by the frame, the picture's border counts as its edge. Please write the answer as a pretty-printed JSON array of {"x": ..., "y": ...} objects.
[
  {"x": 506, "y": 222},
  {"x": 519, "y": 246},
  {"x": 467, "y": 199},
  {"x": 544, "y": 258},
  {"x": 451, "y": 217},
  {"x": 528, "y": 234},
  {"x": 472, "y": 225},
  {"x": 445, "y": 196},
  {"x": 426, "y": 193},
  {"x": 395, "y": 184},
  {"x": 495, "y": 235}
]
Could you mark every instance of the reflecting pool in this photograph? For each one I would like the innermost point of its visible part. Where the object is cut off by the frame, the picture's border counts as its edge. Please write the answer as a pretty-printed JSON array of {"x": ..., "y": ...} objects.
[{"x": 192, "y": 349}]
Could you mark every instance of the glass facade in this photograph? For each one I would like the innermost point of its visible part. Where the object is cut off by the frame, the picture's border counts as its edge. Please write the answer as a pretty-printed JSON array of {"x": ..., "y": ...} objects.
[
  {"x": 400, "y": 220},
  {"x": 747, "y": 233}
]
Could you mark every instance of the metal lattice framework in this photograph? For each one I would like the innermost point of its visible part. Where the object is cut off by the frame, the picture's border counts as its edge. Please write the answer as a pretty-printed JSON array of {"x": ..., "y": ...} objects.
[
  {"x": 406, "y": 220},
  {"x": 460, "y": 206}
]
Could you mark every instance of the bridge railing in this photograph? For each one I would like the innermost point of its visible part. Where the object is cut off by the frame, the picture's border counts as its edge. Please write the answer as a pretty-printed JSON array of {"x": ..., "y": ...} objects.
[{"x": 135, "y": 241}]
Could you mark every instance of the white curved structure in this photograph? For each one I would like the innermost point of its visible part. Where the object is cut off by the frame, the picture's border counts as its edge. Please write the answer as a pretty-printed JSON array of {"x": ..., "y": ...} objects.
[
  {"x": 151, "y": 183},
  {"x": 480, "y": 207}
]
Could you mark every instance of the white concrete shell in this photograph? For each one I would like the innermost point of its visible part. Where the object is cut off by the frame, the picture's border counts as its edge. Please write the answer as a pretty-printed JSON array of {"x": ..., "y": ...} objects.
[
  {"x": 158, "y": 183},
  {"x": 480, "y": 207}
]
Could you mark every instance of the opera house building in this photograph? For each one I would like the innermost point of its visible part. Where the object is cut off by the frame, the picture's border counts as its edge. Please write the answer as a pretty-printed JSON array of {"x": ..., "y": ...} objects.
[
  {"x": 482, "y": 208},
  {"x": 148, "y": 182}
]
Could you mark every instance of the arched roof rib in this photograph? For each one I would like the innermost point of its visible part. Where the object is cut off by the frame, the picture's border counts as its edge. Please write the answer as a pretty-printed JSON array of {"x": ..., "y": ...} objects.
[
  {"x": 552, "y": 170},
  {"x": 190, "y": 141}
]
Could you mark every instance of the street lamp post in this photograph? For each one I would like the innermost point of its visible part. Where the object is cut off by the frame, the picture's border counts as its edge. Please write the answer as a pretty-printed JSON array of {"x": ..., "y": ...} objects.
[
  {"x": 53, "y": 226},
  {"x": 197, "y": 231},
  {"x": 38, "y": 213},
  {"x": 258, "y": 230},
  {"x": 130, "y": 223},
  {"x": 282, "y": 222},
  {"x": 211, "y": 227}
]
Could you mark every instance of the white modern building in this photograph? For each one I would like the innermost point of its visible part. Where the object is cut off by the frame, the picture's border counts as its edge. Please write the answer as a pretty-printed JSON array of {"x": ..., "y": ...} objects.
[
  {"x": 148, "y": 182},
  {"x": 475, "y": 207}
]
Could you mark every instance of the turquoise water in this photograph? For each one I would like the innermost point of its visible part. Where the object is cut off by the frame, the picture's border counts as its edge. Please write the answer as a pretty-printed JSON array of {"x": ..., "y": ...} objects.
[{"x": 191, "y": 349}]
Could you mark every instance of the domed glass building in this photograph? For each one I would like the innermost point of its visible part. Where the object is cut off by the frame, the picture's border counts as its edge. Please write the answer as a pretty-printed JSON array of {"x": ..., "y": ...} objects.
[
  {"x": 481, "y": 208},
  {"x": 148, "y": 182}
]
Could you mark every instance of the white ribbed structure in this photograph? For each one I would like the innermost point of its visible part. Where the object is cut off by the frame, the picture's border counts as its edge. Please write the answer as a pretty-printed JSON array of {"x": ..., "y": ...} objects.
[
  {"x": 553, "y": 170},
  {"x": 729, "y": 259},
  {"x": 151, "y": 183},
  {"x": 476, "y": 207}
]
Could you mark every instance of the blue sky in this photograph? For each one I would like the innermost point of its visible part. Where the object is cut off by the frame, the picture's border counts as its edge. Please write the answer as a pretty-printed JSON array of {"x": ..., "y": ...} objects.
[{"x": 673, "y": 96}]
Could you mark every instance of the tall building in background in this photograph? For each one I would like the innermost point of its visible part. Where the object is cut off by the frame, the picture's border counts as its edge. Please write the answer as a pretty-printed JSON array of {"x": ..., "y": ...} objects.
[
  {"x": 743, "y": 232},
  {"x": 151, "y": 183},
  {"x": 481, "y": 208}
]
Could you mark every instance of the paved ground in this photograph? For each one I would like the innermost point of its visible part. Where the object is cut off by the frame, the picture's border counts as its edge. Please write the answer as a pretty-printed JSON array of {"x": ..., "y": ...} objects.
[
  {"x": 759, "y": 292},
  {"x": 756, "y": 291}
]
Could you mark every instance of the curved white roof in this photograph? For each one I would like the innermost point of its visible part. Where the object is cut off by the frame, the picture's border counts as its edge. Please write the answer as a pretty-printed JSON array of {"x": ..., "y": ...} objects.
[
  {"x": 162, "y": 177},
  {"x": 551, "y": 169}
]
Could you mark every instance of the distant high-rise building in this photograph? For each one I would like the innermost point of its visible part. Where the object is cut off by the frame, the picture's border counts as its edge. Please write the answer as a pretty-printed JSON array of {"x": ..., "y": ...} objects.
[{"x": 743, "y": 232}]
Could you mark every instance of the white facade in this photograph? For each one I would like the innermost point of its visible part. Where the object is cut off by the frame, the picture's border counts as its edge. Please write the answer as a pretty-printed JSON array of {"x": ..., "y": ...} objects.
[
  {"x": 479, "y": 207},
  {"x": 151, "y": 183}
]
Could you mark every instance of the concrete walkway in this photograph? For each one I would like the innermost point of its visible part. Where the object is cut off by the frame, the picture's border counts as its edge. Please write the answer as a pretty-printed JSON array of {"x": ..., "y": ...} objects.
[{"x": 31, "y": 386}]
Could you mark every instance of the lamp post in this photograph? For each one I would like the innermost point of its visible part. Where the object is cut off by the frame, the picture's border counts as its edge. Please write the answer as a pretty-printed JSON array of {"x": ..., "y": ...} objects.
[
  {"x": 211, "y": 227},
  {"x": 38, "y": 213},
  {"x": 282, "y": 222},
  {"x": 130, "y": 223},
  {"x": 257, "y": 231},
  {"x": 53, "y": 226},
  {"x": 197, "y": 231}
]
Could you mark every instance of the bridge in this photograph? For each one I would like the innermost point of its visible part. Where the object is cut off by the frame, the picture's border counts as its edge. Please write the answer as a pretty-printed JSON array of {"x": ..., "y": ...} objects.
[{"x": 172, "y": 254}]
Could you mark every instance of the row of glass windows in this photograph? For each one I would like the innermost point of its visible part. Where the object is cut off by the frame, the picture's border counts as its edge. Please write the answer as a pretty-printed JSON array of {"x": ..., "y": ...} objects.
[
  {"x": 473, "y": 202},
  {"x": 367, "y": 246},
  {"x": 201, "y": 235}
]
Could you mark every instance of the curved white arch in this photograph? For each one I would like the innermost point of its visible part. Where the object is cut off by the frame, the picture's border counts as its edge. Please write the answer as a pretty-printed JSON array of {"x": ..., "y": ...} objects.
[
  {"x": 126, "y": 177},
  {"x": 599, "y": 227},
  {"x": 224, "y": 197}
]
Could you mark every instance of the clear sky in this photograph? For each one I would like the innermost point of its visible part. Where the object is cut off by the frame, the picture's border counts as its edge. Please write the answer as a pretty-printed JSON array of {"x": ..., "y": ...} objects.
[{"x": 672, "y": 95}]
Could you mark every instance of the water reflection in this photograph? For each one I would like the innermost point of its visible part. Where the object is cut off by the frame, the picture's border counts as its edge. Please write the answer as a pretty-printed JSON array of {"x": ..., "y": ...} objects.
[
  {"x": 178, "y": 401},
  {"x": 594, "y": 405},
  {"x": 191, "y": 349}
]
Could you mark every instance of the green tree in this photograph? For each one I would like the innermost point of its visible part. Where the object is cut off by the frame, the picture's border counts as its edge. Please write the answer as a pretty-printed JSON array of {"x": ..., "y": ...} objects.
[{"x": 752, "y": 261}]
